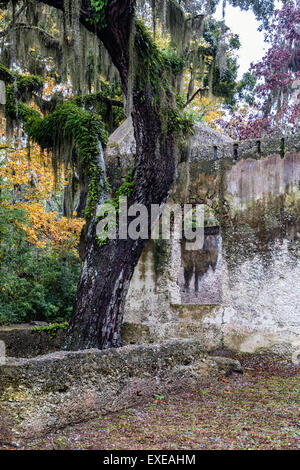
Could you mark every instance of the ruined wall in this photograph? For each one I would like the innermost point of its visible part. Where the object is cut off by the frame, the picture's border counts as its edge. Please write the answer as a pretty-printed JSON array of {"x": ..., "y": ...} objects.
[
  {"x": 249, "y": 299},
  {"x": 49, "y": 392},
  {"x": 261, "y": 251}
]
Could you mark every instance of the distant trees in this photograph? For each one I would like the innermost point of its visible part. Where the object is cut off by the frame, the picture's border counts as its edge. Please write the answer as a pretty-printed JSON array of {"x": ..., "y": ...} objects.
[{"x": 271, "y": 86}]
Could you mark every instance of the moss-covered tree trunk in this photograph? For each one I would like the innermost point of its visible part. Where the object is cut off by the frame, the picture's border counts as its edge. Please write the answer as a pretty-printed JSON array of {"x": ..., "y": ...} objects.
[{"x": 98, "y": 312}]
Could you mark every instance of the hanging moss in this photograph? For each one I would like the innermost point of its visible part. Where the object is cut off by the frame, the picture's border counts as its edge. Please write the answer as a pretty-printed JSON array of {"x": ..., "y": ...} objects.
[
  {"x": 177, "y": 25},
  {"x": 170, "y": 14},
  {"x": 68, "y": 128},
  {"x": 42, "y": 32},
  {"x": 72, "y": 50}
]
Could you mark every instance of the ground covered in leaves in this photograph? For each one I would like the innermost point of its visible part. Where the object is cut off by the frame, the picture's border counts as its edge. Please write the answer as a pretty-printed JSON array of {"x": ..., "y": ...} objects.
[{"x": 257, "y": 410}]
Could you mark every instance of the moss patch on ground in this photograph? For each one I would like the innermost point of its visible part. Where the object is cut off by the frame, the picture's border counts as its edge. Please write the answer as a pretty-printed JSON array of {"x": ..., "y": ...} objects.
[{"x": 259, "y": 410}]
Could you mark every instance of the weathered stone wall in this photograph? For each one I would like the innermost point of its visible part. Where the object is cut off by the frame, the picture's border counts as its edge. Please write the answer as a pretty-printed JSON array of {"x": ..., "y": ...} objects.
[
  {"x": 25, "y": 341},
  {"x": 49, "y": 392},
  {"x": 254, "y": 186}
]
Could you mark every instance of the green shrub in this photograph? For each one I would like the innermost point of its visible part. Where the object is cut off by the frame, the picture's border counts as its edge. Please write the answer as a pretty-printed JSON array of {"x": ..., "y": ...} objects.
[{"x": 34, "y": 284}]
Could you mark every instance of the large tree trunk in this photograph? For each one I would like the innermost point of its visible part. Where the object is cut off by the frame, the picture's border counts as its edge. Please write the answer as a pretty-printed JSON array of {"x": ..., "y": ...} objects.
[{"x": 98, "y": 312}]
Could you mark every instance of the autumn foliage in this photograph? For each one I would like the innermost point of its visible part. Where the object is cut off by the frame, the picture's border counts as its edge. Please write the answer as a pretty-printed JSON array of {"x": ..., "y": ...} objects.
[
  {"x": 28, "y": 176},
  {"x": 39, "y": 263}
]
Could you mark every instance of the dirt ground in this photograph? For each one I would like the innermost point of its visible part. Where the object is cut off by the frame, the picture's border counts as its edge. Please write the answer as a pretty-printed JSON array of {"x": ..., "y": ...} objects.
[{"x": 257, "y": 410}]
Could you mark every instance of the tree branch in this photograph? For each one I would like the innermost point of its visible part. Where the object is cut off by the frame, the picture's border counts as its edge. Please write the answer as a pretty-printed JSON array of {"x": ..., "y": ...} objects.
[
  {"x": 49, "y": 40},
  {"x": 194, "y": 96},
  {"x": 115, "y": 36}
]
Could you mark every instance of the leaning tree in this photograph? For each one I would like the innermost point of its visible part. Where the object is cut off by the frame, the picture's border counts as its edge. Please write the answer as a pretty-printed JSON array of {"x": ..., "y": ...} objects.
[{"x": 83, "y": 37}]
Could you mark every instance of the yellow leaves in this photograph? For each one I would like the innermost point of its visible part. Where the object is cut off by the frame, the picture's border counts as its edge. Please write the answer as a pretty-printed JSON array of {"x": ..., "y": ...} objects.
[
  {"x": 46, "y": 228},
  {"x": 211, "y": 110},
  {"x": 49, "y": 88},
  {"x": 31, "y": 182},
  {"x": 31, "y": 174},
  {"x": 204, "y": 43},
  {"x": 208, "y": 108},
  {"x": 103, "y": 79},
  {"x": 209, "y": 59}
]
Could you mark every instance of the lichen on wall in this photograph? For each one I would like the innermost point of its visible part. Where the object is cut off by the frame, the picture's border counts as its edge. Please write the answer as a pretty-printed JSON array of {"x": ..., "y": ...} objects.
[{"x": 257, "y": 199}]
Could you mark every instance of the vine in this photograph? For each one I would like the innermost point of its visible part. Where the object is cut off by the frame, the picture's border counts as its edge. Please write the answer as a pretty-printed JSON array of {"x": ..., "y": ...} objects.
[
  {"x": 124, "y": 190},
  {"x": 158, "y": 68},
  {"x": 51, "y": 329},
  {"x": 99, "y": 8}
]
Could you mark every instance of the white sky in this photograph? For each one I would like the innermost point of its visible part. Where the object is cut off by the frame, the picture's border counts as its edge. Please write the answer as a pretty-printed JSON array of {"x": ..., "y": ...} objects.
[{"x": 246, "y": 26}]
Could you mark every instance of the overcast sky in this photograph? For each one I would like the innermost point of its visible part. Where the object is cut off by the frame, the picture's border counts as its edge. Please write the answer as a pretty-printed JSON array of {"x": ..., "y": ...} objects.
[{"x": 245, "y": 25}]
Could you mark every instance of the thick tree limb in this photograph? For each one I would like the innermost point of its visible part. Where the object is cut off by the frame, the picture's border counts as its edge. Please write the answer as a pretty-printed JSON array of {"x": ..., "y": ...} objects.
[
  {"x": 194, "y": 96},
  {"x": 49, "y": 41}
]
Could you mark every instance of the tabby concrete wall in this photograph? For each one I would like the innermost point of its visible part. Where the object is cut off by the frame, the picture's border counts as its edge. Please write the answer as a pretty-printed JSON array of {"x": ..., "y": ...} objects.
[
  {"x": 48, "y": 392},
  {"x": 254, "y": 187},
  {"x": 24, "y": 340}
]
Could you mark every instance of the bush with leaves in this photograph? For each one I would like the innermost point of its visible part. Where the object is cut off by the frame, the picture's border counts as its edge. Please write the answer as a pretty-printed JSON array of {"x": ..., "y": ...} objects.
[{"x": 35, "y": 284}]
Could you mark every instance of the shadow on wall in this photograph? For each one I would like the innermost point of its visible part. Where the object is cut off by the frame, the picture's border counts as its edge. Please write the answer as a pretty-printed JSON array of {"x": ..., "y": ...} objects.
[{"x": 199, "y": 279}]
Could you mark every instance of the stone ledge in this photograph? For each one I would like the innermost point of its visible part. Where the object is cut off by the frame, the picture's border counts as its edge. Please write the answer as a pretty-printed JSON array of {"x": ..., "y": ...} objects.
[
  {"x": 49, "y": 392},
  {"x": 23, "y": 341}
]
